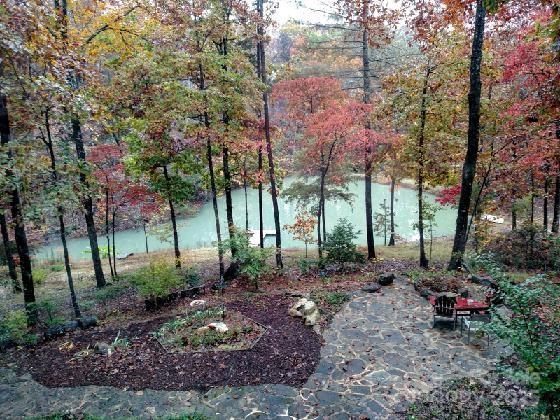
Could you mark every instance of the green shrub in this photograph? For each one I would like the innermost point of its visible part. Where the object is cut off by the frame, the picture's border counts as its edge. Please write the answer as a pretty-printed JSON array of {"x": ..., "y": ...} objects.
[
  {"x": 57, "y": 268},
  {"x": 158, "y": 279},
  {"x": 531, "y": 329},
  {"x": 305, "y": 266},
  {"x": 49, "y": 309},
  {"x": 13, "y": 327},
  {"x": 251, "y": 260},
  {"x": 192, "y": 278},
  {"x": 528, "y": 247},
  {"x": 187, "y": 416},
  {"x": 339, "y": 244},
  {"x": 39, "y": 275}
]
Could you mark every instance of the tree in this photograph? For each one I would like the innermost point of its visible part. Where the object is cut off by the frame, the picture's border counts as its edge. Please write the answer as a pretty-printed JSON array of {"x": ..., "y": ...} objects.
[
  {"x": 262, "y": 70},
  {"x": 302, "y": 229}
]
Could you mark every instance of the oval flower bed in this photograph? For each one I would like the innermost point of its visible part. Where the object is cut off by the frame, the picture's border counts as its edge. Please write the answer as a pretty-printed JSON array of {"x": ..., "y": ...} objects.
[{"x": 212, "y": 329}]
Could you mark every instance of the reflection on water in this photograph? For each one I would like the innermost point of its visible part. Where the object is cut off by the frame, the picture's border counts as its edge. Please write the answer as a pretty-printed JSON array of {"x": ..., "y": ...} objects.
[{"x": 198, "y": 231}]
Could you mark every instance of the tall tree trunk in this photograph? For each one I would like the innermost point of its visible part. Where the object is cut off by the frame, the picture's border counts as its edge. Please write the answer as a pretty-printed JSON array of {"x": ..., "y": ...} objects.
[
  {"x": 545, "y": 203},
  {"x": 145, "y": 237},
  {"x": 513, "y": 216},
  {"x": 245, "y": 192},
  {"x": 469, "y": 166},
  {"x": 173, "y": 218},
  {"x": 18, "y": 220},
  {"x": 213, "y": 188},
  {"x": 420, "y": 180},
  {"x": 392, "y": 215},
  {"x": 556, "y": 210},
  {"x": 16, "y": 287},
  {"x": 114, "y": 247},
  {"x": 320, "y": 212},
  {"x": 227, "y": 190},
  {"x": 261, "y": 220},
  {"x": 271, "y": 174},
  {"x": 60, "y": 210},
  {"x": 324, "y": 221},
  {"x": 107, "y": 232},
  {"x": 87, "y": 203},
  {"x": 367, "y": 152}
]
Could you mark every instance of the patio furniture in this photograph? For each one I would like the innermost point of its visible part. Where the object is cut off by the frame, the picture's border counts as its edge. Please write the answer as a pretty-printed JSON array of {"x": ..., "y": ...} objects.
[
  {"x": 475, "y": 323},
  {"x": 444, "y": 307},
  {"x": 465, "y": 307}
]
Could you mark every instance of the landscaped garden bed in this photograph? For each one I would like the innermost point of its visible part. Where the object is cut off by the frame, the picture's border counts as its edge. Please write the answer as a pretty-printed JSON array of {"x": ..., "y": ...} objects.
[
  {"x": 286, "y": 353},
  {"x": 212, "y": 329}
]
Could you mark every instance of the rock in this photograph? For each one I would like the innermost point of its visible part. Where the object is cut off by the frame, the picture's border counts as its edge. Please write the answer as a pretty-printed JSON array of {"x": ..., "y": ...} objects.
[
  {"x": 198, "y": 304},
  {"x": 203, "y": 329},
  {"x": 312, "y": 318},
  {"x": 218, "y": 326},
  {"x": 371, "y": 288},
  {"x": 87, "y": 322},
  {"x": 385, "y": 279},
  {"x": 297, "y": 308},
  {"x": 124, "y": 256},
  {"x": 54, "y": 331},
  {"x": 102, "y": 348},
  {"x": 309, "y": 307},
  {"x": 72, "y": 325}
]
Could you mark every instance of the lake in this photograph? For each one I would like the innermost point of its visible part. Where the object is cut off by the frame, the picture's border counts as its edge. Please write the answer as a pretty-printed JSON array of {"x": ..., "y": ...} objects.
[{"x": 198, "y": 231}]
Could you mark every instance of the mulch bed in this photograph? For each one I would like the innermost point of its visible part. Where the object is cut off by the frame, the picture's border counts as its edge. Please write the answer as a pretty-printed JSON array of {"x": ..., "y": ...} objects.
[{"x": 286, "y": 354}]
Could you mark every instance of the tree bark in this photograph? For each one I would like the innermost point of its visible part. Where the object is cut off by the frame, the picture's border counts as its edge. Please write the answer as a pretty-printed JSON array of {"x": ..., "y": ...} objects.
[
  {"x": 114, "y": 247},
  {"x": 367, "y": 154},
  {"x": 173, "y": 218},
  {"x": 423, "y": 113},
  {"x": 245, "y": 192},
  {"x": 60, "y": 210},
  {"x": 556, "y": 210},
  {"x": 17, "y": 218},
  {"x": 87, "y": 203},
  {"x": 261, "y": 220},
  {"x": 271, "y": 174},
  {"x": 392, "y": 215},
  {"x": 213, "y": 188},
  {"x": 107, "y": 232},
  {"x": 145, "y": 237},
  {"x": 545, "y": 203},
  {"x": 12, "y": 271},
  {"x": 469, "y": 165}
]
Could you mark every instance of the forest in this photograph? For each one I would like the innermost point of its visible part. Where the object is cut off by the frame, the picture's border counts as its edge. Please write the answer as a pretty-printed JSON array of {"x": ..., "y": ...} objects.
[{"x": 308, "y": 209}]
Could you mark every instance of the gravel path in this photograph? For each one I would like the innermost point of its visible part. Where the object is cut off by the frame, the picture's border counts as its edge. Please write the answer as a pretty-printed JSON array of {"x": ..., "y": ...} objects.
[{"x": 380, "y": 353}]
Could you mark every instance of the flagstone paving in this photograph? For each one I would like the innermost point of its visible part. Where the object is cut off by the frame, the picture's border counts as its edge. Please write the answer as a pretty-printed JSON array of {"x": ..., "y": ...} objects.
[{"x": 380, "y": 353}]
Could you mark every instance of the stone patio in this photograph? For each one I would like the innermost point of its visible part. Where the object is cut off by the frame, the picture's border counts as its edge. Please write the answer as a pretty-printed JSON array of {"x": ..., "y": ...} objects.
[{"x": 380, "y": 353}]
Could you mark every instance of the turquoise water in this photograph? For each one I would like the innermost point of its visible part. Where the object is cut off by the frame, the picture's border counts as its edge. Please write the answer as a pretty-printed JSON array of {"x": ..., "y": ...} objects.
[{"x": 198, "y": 231}]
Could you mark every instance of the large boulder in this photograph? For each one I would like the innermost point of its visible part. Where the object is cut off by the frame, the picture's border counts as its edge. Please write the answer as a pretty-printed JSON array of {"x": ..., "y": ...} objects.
[
  {"x": 385, "y": 279},
  {"x": 297, "y": 308},
  {"x": 306, "y": 309}
]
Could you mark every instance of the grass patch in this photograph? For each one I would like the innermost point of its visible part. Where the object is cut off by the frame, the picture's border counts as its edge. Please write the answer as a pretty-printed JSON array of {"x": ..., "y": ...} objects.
[{"x": 110, "y": 292}]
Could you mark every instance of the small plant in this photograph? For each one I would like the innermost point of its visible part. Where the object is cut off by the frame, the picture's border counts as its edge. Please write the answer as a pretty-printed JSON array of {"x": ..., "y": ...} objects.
[
  {"x": 13, "y": 327},
  {"x": 305, "y": 266},
  {"x": 251, "y": 260},
  {"x": 340, "y": 246},
  {"x": 192, "y": 278},
  {"x": 57, "y": 268},
  {"x": 49, "y": 308},
  {"x": 157, "y": 279},
  {"x": 39, "y": 275}
]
